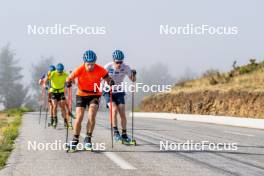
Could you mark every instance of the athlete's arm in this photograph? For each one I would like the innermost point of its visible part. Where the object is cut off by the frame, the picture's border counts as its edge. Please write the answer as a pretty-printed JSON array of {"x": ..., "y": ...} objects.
[
  {"x": 73, "y": 75},
  {"x": 40, "y": 81},
  {"x": 109, "y": 80},
  {"x": 131, "y": 73}
]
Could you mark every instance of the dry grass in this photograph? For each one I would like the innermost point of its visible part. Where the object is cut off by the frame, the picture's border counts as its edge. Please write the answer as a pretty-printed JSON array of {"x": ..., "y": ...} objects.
[{"x": 251, "y": 82}]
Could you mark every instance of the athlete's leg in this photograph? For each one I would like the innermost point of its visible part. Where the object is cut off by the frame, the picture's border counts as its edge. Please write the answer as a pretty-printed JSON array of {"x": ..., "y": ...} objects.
[
  {"x": 77, "y": 125},
  {"x": 63, "y": 109},
  {"x": 55, "y": 107},
  {"x": 122, "y": 113},
  {"x": 78, "y": 120},
  {"x": 91, "y": 115},
  {"x": 67, "y": 108},
  {"x": 114, "y": 113},
  {"x": 50, "y": 105}
]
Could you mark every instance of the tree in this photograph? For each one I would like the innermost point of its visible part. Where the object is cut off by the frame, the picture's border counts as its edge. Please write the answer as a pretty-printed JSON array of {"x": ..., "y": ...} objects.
[
  {"x": 37, "y": 70},
  {"x": 12, "y": 92}
]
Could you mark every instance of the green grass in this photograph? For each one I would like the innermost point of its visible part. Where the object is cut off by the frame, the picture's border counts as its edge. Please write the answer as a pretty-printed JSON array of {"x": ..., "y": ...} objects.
[{"x": 10, "y": 131}]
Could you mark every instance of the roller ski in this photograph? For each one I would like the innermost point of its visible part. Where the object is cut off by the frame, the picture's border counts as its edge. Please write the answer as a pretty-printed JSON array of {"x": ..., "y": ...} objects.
[
  {"x": 88, "y": 144},
  {"x": 51, "y": 122},
  {"x": 72, "y": 146},
  {"x": 117, "y": 136},
  {"x": 55, "y": 122},
  {"x": 127, "y": 141},
  {"x": 69, "y": 126}
]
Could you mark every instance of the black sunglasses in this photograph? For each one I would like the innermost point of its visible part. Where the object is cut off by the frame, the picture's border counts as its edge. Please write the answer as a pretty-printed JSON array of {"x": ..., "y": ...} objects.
[{"x": 119, "y": 62}]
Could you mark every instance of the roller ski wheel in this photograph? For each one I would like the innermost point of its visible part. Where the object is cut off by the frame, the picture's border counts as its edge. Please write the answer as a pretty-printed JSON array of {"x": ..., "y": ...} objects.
[{"x": 133, "y": 142}]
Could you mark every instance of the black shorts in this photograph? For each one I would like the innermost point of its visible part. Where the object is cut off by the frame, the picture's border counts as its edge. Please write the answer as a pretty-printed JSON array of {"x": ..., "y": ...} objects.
[
  {"x": 49, "y": 97},
  {"x": 118, "y": 97},
  {"x": 83, "y": 101},
  {"x": 57, "y": 96}
]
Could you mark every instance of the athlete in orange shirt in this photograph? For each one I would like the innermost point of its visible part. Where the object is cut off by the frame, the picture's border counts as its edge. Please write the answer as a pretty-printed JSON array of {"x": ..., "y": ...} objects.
[{"x": 89, "y": 76}]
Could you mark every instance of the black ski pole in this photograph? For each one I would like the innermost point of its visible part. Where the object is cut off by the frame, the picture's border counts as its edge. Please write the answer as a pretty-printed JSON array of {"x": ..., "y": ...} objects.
[
  {"x": 111, "y": 118},
  {"x": 41, "y": 103},
  {"x": 40, "y": 108},
  {"x": 46, "y": 107},
  {"x": 132, "y": 114}
]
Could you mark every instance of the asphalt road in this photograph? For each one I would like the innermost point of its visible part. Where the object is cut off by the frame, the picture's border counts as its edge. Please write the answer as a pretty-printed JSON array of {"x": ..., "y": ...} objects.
[{"x": 144, "y": 159}]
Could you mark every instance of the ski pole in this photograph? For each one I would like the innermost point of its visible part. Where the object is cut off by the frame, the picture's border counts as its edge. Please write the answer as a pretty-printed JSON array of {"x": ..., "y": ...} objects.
[
  {"x": 111, "y": 118},
  {"x": 41, "y": 102},
  {"x": 46, "y": 107},
  {"x": 132, "y": 113},
  {"x": 40, "y": 108},
  {"x": 70, "y": 111},
  {"x": 70, "y": 102}
]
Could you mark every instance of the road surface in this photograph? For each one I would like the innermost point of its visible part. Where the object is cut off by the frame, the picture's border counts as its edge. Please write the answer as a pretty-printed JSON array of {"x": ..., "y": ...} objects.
[{"x": 144, "y": 159}]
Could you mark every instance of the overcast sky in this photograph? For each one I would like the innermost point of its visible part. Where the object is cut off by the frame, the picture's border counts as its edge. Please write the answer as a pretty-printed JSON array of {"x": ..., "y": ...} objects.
[{"x": 134, "y": 27}]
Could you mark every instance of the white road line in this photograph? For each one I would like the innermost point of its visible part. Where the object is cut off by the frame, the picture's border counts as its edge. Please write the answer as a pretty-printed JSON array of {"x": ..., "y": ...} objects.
[
  {"x": 117, "y": 159},
  {"x": 114, "y": 157},
  {"x": 237, "y": 133}
]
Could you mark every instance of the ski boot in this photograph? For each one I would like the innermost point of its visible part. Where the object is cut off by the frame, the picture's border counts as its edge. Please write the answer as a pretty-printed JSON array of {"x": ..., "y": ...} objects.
[
  {"x": 72, "y": 146},
  {"x": 51, "y": 122},
  {"x": 126, "y": 140},
  {"x": 88, "y": 143},
  {"x": 117, "y": 136},
  {"x": 55, "y": 123},
  {"x": 65, "y": 123}
]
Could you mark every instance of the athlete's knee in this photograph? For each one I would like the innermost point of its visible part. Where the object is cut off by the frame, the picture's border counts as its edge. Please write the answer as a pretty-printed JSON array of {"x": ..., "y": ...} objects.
[{"x": 93, "y": 107}]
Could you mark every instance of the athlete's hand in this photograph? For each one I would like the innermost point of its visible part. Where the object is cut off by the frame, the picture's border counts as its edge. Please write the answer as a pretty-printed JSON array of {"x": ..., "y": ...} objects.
[
  {"x": 111, "y": 82},
  {"x": 68, "y": 84},
  {"x": 134, "y": 72},
  {"x": 133, "y": 77}
]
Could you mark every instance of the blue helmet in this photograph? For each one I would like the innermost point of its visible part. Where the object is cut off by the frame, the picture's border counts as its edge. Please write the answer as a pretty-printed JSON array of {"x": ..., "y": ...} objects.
[
  {"x": 89, "y": 56},
  {"x": 60, "y": 67},
  {"x": 52, "y": 68},
  {"x": 118, "y": 55}
]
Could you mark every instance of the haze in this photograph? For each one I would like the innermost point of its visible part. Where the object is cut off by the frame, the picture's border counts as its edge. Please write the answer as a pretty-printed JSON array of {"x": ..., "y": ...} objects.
[{"x": 133, "y": 26}]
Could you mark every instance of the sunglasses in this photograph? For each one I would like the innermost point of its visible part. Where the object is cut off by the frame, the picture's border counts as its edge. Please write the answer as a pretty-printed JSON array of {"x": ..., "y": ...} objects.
[
  {"x": 119, "y": 62},
  {"x": 90, "y": 63}
]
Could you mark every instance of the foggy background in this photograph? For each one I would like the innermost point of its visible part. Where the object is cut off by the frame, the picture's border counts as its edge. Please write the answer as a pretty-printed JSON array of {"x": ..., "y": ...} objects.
[{"x": 133, "y": 26}]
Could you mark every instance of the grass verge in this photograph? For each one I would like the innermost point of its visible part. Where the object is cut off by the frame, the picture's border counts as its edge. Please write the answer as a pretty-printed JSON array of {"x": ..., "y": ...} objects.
[{"x": 9, "y": 129}]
